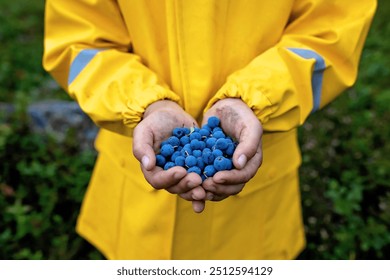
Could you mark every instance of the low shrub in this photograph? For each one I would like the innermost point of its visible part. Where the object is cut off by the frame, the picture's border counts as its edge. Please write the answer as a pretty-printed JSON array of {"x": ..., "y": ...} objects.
[{"x": 42, "y": 185}]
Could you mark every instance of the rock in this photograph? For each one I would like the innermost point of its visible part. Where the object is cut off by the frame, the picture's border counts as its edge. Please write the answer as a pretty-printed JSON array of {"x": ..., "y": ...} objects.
[{"x": 56, "y": 118}]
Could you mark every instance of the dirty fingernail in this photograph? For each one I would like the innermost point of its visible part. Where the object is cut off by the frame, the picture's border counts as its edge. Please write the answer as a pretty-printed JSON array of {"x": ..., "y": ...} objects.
[
  {"x": 241, "y": 161},
  {"x": 145, "y": 161}
]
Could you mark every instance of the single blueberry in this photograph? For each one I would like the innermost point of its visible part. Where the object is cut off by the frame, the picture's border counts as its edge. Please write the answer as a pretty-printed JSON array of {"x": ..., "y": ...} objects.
[
  {"x": 168, "y": 165},
  {"x": 209, "y": 171},
  {"x": 213, "y": 121},
  {"x": 230, "y": 149},
  {"x": 197, "y": 153},
  {"x": 195, "y": 144},
  {"x": 204, "y": 132},
  {"x": 206, "y": 126},
  {"x": 174, "y": 141},
  {"x": 194, "y": 169},
  {"x": 217, "y": 153},
  {"x": 160, "y": 160},
  {"x": 195, "y": 135},
  {"x": 178, "y": 132},
  {"x": 200, "y": 163},
  {"x": 202, "y": 145},
  {"x": 180, "y": 161},
  {"x": 191, "y": 161},
  {"x": 219, "y": 134},
  {"x": 221, "y": 144},
  {"x": 221, "y": 163},
  {"x": 186, "y": 151},
  {"x": 229, "y": 164},
  {"x": 185, "y": 140},
  {"x": 167, "y": 150},
  {"x": 210, "y": 142}
]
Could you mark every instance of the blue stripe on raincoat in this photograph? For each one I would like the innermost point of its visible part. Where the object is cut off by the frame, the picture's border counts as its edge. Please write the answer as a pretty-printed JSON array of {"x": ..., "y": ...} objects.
[
  {"x": 316, "y": 81},
  {"x": 79, "y": 63}
]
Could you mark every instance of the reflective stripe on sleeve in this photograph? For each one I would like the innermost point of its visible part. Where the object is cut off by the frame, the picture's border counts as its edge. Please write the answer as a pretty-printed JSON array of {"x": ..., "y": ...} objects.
[
  {"x": 79, "y": 63},
  {"x": 316, "y": 80}
]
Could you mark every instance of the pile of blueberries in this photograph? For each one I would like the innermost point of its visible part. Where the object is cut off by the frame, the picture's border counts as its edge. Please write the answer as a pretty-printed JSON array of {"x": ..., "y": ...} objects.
[{"x": 204, "y": 150}]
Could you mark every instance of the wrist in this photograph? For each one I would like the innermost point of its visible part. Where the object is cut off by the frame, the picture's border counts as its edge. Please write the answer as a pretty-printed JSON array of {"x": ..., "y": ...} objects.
[{"x": 160, "y": 105}]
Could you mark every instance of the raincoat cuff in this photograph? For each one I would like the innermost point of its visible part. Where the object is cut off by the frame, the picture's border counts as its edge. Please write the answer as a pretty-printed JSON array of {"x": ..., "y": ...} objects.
[
  {"x": 135, "y": 107},
  {"x": 253, "y": 95}
]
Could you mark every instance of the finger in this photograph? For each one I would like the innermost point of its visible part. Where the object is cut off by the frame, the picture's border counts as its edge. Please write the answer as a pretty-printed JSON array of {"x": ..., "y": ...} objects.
[
  {"x": 221, "y": 192},
  {"x": 143, "y": 147},
  {"x": 235, "y": 176},
  {"x": 198, "y": 206},
  {"x": 162, "y": 179},
  {"x": 197, "y": 193},
  {"x": 187, "y": 183},
  {"x": 249, "y": 144},
  {"x": 218, "y": 192}
]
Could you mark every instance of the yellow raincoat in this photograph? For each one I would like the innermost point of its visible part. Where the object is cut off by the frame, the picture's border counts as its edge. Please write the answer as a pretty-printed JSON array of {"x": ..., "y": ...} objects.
[{"x": 284, "y": 59}]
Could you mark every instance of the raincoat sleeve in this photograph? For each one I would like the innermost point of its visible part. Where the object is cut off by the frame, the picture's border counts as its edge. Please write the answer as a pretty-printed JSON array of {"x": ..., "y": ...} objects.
[
  {"x": 315, "y": 60},
  {"x": 87, "y": 49}
]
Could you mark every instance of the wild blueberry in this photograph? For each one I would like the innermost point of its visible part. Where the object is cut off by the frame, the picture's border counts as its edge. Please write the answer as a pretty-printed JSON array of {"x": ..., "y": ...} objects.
[
  {"x": 197, "y": 153},
  {"x": 195, "y": 144},
  {"x": 167, "y": 150},
  {"x": 185, "y": 140},
  {"x": 217, "y": 153},
  {"x": 186, "y": 151},
  {"x": 168, "y": 165},
  {"x": 221, "y": 144},
  {"x": 221, "y": 163},
  {"x": 230, "y": 149},
  {"x": 206, "y": 127},
  {"x": 202, "y": 145},
  {"x": 219, "y": 134},
  {"x": 191, "y": 161},
  {"x": 178, "y": 132},
  {"x": 209, "y": 171},
  {"x": 213, "y": 121},
  {"x": 229, "y": 164},
  {"x": 195, "y": 135},
  {"x": 174, "y": 141},
  {"x": 200, "y": 163},
  {"x": 160, "y": 160},
  {"x": 194, "y": 169},
  {"x": 204, "y": 132},
  {"x": 210, "y": 142},
  {"x": 180, "y": 161}
]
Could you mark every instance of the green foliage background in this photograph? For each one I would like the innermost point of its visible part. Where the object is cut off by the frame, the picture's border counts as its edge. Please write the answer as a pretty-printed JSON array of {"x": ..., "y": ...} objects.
[{"x": 345, "y": 176}]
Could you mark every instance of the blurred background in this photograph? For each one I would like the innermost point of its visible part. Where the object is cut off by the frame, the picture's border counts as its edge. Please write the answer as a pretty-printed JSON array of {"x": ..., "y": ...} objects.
[{"x": 46, "y": 153}]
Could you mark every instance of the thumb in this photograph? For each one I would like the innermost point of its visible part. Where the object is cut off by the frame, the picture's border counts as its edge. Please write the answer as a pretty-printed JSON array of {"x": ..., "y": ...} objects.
[
  {"x": 143, "y": 147},
  {"x": 249, "y": 144}
]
